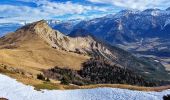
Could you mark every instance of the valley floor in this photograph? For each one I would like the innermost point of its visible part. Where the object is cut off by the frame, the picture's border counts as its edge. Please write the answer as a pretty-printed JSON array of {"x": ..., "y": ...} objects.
[{"x": 13, "y": 90}]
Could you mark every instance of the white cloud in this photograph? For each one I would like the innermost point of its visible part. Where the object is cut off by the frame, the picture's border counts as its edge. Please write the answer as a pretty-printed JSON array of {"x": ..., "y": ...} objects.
[
  {"x": 47, "y": 9},
  {"x": 62, "y": 8},
  {"x": 14, "y": 13},
  {"x": 44, "y": 10},
  {"x": 136, "y": 4}
]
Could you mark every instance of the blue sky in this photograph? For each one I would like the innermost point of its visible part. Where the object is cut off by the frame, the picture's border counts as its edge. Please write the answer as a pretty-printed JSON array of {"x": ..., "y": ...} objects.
[{"x": 33, "y": 10}]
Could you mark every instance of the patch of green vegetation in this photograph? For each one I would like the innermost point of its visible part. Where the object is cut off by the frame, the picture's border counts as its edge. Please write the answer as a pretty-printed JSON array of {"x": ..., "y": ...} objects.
[
  {"x": 65, "y": 80},
  {"x": 47, "y": 85}
]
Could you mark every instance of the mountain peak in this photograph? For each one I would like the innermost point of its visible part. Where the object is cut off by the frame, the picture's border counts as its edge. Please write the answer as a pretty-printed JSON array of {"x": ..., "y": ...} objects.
[
  {"x": 126, "y": 12},
  {"x": 39, "y": 30},
  {"x": 150, "y": 10},
  {"x": 153, "y": 12},
  {"x": 39, "y": 25}
]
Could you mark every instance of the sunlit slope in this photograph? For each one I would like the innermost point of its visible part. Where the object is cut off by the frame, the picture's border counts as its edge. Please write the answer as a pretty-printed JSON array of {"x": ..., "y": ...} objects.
[{"x": 29, "y": 52}]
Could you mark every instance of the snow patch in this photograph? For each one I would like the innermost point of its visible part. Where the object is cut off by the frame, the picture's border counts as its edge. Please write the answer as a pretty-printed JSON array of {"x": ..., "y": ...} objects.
[{"x": 13, "y": 90}]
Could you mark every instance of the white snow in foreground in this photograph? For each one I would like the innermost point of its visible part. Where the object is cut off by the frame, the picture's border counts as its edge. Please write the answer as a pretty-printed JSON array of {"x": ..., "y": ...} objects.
[{"x": 13, "y": 90}]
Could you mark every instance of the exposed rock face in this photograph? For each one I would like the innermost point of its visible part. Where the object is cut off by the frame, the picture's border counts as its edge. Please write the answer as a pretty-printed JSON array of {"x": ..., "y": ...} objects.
[{"x": 60, "y": 41}]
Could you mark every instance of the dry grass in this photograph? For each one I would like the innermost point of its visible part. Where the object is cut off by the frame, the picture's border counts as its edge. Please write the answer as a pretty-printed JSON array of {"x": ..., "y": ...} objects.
[
  {"x": 122, "y": 86},
  {"x": 19, "y": 77},
  {"x": 35, "y": 55},
  {"x": 40, "y": 59},
  {"x": 130, "y": 87}
]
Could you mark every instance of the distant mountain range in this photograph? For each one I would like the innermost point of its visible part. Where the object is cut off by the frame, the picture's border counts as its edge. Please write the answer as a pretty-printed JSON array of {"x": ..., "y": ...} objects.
[
  {"x": 133, "y": 30},
  {"x": 8, "y": 27},
  {"x": 65, "y": 26}
]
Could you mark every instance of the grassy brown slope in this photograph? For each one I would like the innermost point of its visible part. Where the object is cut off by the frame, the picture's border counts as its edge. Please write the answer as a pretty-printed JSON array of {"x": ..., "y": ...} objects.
[
  {"x": 33, "y": 54},
  {"x": 36, "y": 60}
]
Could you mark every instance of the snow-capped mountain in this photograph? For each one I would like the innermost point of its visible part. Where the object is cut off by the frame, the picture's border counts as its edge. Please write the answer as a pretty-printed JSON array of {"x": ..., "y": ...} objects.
[
  {"x": 53, "y": 22},
  {"x": 65, "y": 26},
  {"x": 128, "y": 27}
]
